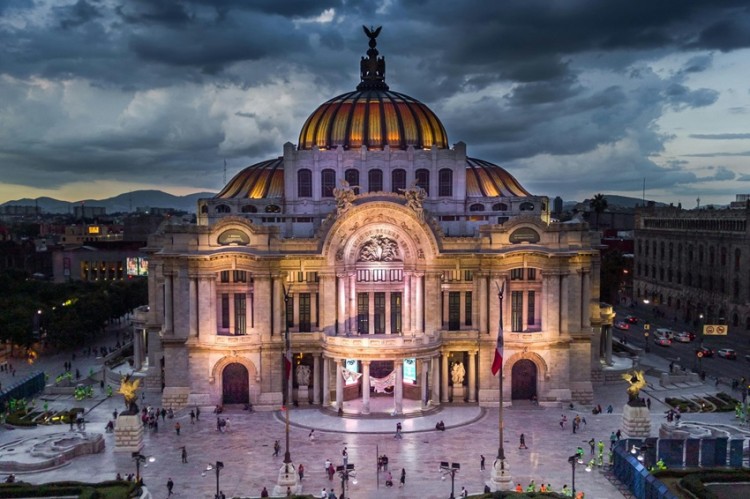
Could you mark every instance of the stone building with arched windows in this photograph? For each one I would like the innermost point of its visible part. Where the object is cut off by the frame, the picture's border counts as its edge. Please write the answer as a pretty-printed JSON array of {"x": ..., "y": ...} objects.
[{"x": 381, "y": 250}]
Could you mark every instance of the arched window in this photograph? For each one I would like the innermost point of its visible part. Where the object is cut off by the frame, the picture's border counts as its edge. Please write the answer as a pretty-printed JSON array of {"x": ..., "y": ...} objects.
[
  {"x": 476, "y": 207},
  {"x": 304, "y": 183},
  {"x": 499, "y": 207},
  {"x": 204, "y": 208},
  {"x": 248, "y": 208},
  {"x": 352, "y": 176},
  {"x": 422, "y": 176},
  {"x": 272, "y": 208},
  {"x": 711, "y": 256},
  {"x": 527, "y": 206},
  {"x": 375, "y": 180},
  {"x": 445, "y": 182},
  {"x": 327, "y": 183},
  {"x": 398, "y": 180},
  {"x": 661, "y": 250},
  {"x": 222, "y": 208}
]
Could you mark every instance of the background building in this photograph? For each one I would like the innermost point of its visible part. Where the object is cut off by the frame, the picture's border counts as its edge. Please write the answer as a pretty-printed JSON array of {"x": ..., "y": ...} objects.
[
  {"x": 693, "y": 262},
  {"x": 382, "y": 250}
]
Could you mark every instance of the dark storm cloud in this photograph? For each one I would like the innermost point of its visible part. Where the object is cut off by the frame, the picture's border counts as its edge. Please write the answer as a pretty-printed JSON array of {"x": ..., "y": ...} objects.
[{"x": 515, "y": 79}]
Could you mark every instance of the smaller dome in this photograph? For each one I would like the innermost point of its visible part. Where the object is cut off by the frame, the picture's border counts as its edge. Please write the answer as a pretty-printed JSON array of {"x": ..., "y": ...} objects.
[
  {"x": 259, "y": 181},
  {"x": 485, "y": 179}
]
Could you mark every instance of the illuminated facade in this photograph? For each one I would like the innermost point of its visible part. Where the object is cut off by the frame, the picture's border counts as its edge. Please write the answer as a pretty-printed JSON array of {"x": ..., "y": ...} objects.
[{"x": 391, "y": 247}]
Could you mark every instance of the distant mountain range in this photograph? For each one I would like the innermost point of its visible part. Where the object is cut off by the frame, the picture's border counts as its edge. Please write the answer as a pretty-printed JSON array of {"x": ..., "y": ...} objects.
[
  {"x": 126, "y": 202},
  {"x": 613, "y": 201}
]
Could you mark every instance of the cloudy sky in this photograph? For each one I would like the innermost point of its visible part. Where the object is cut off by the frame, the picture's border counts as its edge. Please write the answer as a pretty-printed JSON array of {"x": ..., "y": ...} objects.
[{"x": 574, "y": 97}]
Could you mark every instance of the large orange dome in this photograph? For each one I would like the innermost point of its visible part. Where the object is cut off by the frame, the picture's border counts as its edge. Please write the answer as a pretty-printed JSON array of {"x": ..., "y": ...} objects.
[{"x": 373, "y": 116}]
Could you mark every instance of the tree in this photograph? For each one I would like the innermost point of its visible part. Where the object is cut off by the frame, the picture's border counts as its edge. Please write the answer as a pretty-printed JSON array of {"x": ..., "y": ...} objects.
[{"x": 598, "y": 204}]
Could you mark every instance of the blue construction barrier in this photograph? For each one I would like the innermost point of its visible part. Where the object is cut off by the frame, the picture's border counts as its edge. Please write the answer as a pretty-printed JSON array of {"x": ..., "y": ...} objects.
[{"x": 24, "y": 388}]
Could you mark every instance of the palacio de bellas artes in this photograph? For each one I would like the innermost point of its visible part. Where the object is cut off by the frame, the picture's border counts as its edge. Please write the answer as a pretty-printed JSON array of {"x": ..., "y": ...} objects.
[{"x": 367, "y": 262}]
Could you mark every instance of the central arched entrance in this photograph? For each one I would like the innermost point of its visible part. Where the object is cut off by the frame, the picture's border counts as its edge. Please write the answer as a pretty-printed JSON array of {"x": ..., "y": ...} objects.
[
  {"x": 235, "y": 384},
  {"x": 523, "y": 378}
]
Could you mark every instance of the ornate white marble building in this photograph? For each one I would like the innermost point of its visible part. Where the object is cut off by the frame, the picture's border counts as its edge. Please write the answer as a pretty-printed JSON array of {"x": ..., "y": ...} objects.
[{"x": 382, "y": 250}]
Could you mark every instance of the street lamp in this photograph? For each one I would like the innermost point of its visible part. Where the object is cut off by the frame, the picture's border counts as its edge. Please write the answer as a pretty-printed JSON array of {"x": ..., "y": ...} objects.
[
  {"x": 217, "y": 468},
  {"x": 140, "y": 458},
  {"x": 574, "y": 460},
  {"x": 452, "y": 469},
  {"x": 345, "y": 471}
]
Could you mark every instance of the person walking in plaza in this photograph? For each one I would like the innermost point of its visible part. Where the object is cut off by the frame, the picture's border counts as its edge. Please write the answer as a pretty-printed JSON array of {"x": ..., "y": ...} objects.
[
  {"x": 592, "y": 444},
  {"x": 402, "y": 481},
  {"x": 301, "y": 471},
  {"x": 481, "y": 462},
  {"x": 398, "y": 431},
  {"x": 276, "y": 448},
  {"x": 464, "y": 492},
  {"x": 177, "y": 428},
  {"x": 170, "y": 486},
  {"x": 184, "y": 454},
  {"x": 522, "y": 444},
  {"x": 192, "y": 416}
]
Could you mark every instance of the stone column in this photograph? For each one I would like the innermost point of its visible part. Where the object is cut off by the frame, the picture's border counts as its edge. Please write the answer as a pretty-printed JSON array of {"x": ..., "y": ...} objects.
[
  {"x": 482, "y": 300},
  {"x": 423, "y": 381},
  {"x": 398, "y": 391},
  {"x": 419, "y": 306},
  {"x": 193, "y": 307},
  {"x": 262, "y": 303},
  {"x": 168, "y": 309},
  {"x": 585, "y": 298},
  {"x": 137, "y": 349},
  {"x": 352, "y": 303},
  {"x": 432, "y": 297},
  {"x": 444, "y": 379},
  {"x": 365, "y": 387},
  {"x": 435, "y": 380},
  {"x": 326, "y": 382},
  {"x": 543, "y": 303},
  {"x": 327, "y": 303},
  {"x": 316, "y": 379},
  {"x": 472, "y": 377},
  {"x": 608, "y": 344},
  {"x": 339, "y": 386},
  {"x": 277, "y": 306},
  {"x": 341, "y": 322},
  {"x": 406, "y": 304},
  {"x": 565, "y": 304}
]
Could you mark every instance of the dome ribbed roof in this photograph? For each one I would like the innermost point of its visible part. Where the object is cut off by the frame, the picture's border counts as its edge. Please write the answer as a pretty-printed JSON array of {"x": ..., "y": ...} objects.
[
  {"x": 373, "y": 118},
  {"x": 265, "y": 180}
]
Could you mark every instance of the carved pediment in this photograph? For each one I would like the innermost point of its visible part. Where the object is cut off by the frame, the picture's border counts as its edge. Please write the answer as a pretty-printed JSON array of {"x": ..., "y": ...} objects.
[{"x": 379, "y": 248}]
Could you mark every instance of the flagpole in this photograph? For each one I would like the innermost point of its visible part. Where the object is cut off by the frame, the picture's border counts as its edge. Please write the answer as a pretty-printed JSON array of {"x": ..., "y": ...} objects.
[{"x": 500, "y": 450}]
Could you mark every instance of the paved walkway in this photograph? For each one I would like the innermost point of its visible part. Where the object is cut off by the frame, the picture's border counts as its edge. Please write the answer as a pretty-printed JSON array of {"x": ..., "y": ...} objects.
[{"x": 247, "y": 448}]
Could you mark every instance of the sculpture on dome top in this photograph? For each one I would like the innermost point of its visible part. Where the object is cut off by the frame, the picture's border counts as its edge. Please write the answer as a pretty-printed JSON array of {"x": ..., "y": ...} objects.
[{"x": 372, "y": 67}]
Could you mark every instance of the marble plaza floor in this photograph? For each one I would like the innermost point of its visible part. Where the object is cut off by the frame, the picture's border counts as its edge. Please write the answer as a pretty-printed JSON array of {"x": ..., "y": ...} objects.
[{"x": 247, "y": 448}]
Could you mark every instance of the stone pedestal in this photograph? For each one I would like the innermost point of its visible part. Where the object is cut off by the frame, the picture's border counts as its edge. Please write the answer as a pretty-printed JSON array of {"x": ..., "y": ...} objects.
[
  {"x": 500, "y": 478},
  {"x": 458, "y": 394},
  {"x": 636, "y": 421},
  {"x": 287, "y": 480},
  {"x": 303, "y": 395},
  {"x": 128, "y": 433}
]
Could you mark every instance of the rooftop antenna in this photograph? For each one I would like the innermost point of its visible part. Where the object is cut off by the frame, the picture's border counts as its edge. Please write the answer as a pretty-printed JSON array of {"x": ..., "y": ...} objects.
[{"x": 698, "y": 202}]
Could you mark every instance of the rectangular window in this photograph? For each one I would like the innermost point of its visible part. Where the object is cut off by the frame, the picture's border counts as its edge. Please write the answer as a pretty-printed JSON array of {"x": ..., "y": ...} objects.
[
  {"x": 530, "y": 308},
  {"x": 290, "y": 311},
  {"x": 312, "y": 277},
  {"x": 375, "y": 181},
  {"x": 468, "y": 275},
  {"x": 467, "y": 309},
  {"x": 240, "y": 313},
  {"x": 225, "y": 310},
  {"x": 239, "y": 276},
  {"x": 224, "y": 276},
  {"x": 445, "y": 182},
  {"x": 531, "y": 274},
  {"x": 379, "y": 316},
  {"x": 454, "y": 311},
  {"x": 363, "y": 275},
  {"x": 516, "y": 275},
  {"x": 397, "y": 275},
  {"x": 398, "y": 180},
  {"x": 516, "y": 311},
  {"x": 396, "y": 313},
  {"x": 363, "y": 313},
  {"x": 304, "y": 312}
]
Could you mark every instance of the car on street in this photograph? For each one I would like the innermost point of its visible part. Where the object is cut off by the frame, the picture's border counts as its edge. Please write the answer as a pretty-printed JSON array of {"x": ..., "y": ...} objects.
[
  {"x": 662, "y": 342},
  {"x": 632, "y": 319},
  {"x": 622, "y": 326},
  {"x": 727, "y": 353},
  {"x": 684, "y": 337},
  {"x": 707, "y": 352},
  {"x": 664, "y": 332}
]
